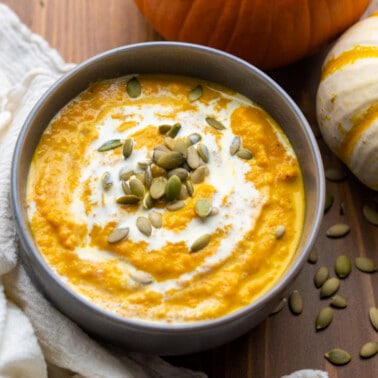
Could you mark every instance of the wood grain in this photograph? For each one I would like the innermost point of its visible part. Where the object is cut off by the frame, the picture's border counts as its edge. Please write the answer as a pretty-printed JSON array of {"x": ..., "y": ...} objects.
[{"x": 283, "y": 343}]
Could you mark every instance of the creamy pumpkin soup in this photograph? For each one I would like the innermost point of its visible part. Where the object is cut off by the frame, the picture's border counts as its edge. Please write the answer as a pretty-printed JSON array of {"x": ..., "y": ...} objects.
[{"x": 165, "y": 198}]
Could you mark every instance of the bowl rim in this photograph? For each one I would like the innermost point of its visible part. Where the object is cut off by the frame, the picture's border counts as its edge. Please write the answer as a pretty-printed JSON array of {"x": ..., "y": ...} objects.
[{"x": 156, "y": 326}]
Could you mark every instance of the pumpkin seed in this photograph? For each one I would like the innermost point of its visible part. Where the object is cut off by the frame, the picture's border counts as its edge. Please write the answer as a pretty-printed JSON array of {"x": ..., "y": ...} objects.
[
  {"x": 203, "y": 207},
  {"x": 163, "y": 129},
  {"x": 148, "y": 177},
  {"x": 175, "y": 205},
  {"x": 193, "y": 158},
  {"x": 343, "y": 266},
  {"x": 296, "y": 302},
  {"x": 144, "y": 164},
  {"x": 195, "y": 93},
  {"x": 279, "y": 231},
  {"x": 365, "y": 264},
  {"x": 148, "y": 201},
  {"x": 370, "y": 214},
  {"x": 170, "y": 160},
  {"x": 144, "y": 225},
  {"x": 172, "y": 188},
  {"x": 133, "y": 87},
  {"x": 169, "y": 142},
  {"x": 174, "y": 130},
  {"x": 137, "y": 187},
  {"x": 215, "y": 124},
  {"x": 141, "y": 277},
  {"x": 183, "y": 193},
  {"x": 321, "y": 276},
  {"x": 128, "y": 199},
  {"x": 162, "y": 147},
  {"x": 106, "y": 180},
  {"x": 128, "y": 148},
  {"x": 126, "y": 187},
  {"x": 335, "y": 174},
  {"x": 338, "y": 301},
  {"x": 180, "y": 172},
  {"x": 329, "y": 199},
  {"x": 279, "y": 307},
  {"x": 125, "y": 173},
  {"x": 338, "y": 356},
  {"x": 141, "y": 176},
  {"x": 235, "y": 145},
  {"x": 181, "y": 146},
  {"x": 110, "y": 145},
  {"x": 244, "y": 153},
  {"x": 199, "y": 174},
  {"x": 313, "y": 256},
  {"x": 156, "y": 219},
  {"x": 118, "y": 234},
  {"x": 200, "y": 243},
  {"x": 369, "y": 349},
  {"x": 324, "y": 318},
  {"x": 189, "y": 187},
  {"x": 157, "y": 171},
  {"x": 157, "y": 189},
  {"x": 330, "y": 286},
  {"x": 338, "y": 230},
  {"x": 194, "y": 138},
  {"x": 157, "y": 154},
  {"x": 373, "y": 315},
  {"x": 203, "y": 152},
  {"x": 214, "y": 211}
]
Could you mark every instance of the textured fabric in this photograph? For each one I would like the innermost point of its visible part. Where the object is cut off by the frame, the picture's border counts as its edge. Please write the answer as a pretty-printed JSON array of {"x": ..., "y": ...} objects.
[{"x": 35, "y": 339}]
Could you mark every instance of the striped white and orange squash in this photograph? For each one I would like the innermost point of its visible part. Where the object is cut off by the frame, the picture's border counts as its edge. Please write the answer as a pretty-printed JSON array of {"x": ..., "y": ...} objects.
[{"x": 347, "y": 100}]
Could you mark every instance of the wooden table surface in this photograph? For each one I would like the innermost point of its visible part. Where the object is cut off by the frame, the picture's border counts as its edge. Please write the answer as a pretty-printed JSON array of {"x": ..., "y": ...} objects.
[{"x": 283, "y": 343}]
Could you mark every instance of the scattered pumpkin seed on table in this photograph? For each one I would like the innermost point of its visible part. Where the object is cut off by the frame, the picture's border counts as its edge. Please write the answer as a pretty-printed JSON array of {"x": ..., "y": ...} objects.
[
  {"x": 329, "y": 287},
  {"x": 329, "y": 199},
  {"x": 338, "y": 356},
  {"x": 369, "y": 349},
  {"x": 370, "y": 214},
  {"x": 321, "y": 276},
  {"x": 373, "y": 316},
  {"x": 365, "y": 264},
  {"x": 324, "y": 318},
  {"x": 343, "y": 266},
  {"x": 313, "y": 256},
  {"x": 338, "y": 301},
  {"x": 338, "y": 230},
  {"x": 296, "y": 302}
]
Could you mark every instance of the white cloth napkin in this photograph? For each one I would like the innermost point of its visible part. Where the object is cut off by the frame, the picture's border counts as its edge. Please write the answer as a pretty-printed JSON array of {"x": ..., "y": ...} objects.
[{"x": 35, "y": 339}]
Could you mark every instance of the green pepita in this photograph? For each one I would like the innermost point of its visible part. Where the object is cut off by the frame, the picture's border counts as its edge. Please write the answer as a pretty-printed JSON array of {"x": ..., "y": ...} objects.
[
  {"x": 193, "y": 158},
  {"x": 200, "y": 243},
  {"x": 170, "y": 160},
  {"x": 195, "y": 93},
  {"x": 148, "y": 201},
  {"x": 157, "y": 188},
  {"x": 172, "y": 188},
  {"x": 189, "y": 187},
  {"x": 296, "y": 302},
  {"x": 175, "y": 205},
  {"x": 128, "y": 199},
  {"x": 163, "y": 129},
  {"x": 128, "y": 148},
  {"x": 118, "y": 234},
  {"x": 180, "y": 172},
  {"x": 369, "y": 349},
  {"x": 144, "y": 225},
  {"x": 133, "y": 87},
  {"x": 203, "y": 152},
  {"x": 373, "y": 315},
  {"x": 338, "y": 356},
  {"x": 148, "y": 177},
  {"x": 329, "y": 287},
  {"x": 370, "y": 214},
  {"x": 126, "y": 187},
  {"x": 199, "y": 174},
  {"x": 156, "y": 219},
  {"x": 313, "y": 256},
  {"x": 343, "y": 266},
  {"x": 338, "y": 301},
  {"x": 365, "y": 264},
  {"x": 215, "y": 124},
  {"x": 329, "y": 199},
  {"x": 235, "y": 145},
  {"x": 110, "y": 145},
  {"x": 137, "y": 187},
  {"x": 181, "y": 146},
  {"x": 338, "y": 230},
  {"x": 279, "y": 307},
  {"x": 321, "y": 276},
  {"x": 174, "y": 130},
  {"x": 203, "y": 207},
  {"x": 244, "y": 153},
  {"x": 125, "y": 173},
  {"x": 324, "y": 318}
]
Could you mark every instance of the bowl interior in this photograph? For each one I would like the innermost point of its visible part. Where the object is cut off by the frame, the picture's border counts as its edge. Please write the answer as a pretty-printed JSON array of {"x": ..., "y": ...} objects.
[{"x": 188, "y": 60}]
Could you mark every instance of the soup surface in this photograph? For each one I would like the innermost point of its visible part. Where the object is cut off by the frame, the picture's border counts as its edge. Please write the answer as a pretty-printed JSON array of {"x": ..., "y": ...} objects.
[{"x": 165, "y": 198}]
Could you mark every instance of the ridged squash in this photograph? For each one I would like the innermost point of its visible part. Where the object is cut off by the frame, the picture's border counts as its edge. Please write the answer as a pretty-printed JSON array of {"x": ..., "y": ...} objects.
[{"x": 347, "y": 100}]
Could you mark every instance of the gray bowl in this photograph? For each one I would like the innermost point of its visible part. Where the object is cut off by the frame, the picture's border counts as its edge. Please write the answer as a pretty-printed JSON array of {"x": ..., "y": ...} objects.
[{"x": 183, "y": 59}]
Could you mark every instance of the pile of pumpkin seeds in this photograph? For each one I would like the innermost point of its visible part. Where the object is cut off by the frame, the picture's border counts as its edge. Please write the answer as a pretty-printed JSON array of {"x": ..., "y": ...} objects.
[
  {"x": 328, "y": 285},
  {"x": 169, "y": 176}
]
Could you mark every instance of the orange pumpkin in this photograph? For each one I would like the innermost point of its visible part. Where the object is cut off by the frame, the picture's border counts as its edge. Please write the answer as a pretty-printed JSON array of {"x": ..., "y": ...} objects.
[{"x": 267, "y": 33}]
